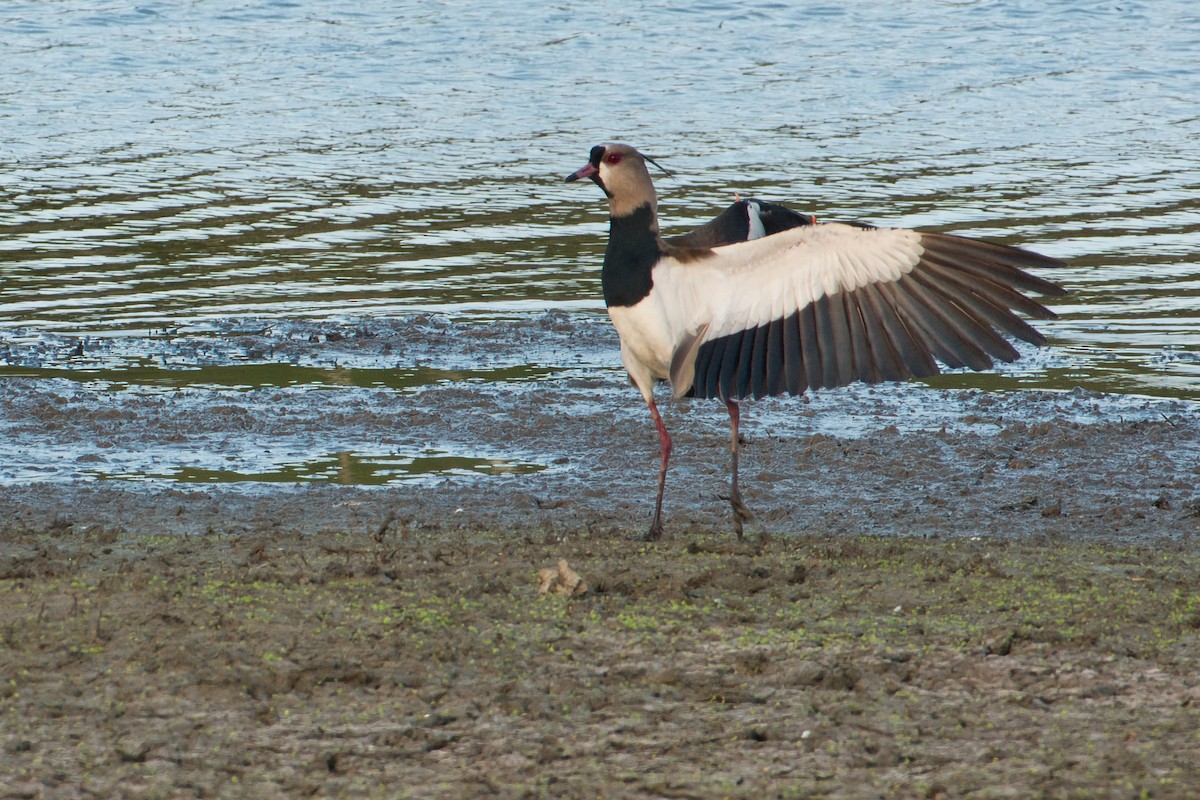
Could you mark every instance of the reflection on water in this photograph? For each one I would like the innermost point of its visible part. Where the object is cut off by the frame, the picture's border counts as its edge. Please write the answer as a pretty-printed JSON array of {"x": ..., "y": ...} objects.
[
  {"x": 170, "y": 165},
  {"x": 362, "y": 469},
  {"x": 257, "y": 376}
]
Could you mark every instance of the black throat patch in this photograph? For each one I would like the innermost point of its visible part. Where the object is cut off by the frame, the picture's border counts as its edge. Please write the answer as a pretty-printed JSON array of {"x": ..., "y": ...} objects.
[{"x": 633, "y": 250}]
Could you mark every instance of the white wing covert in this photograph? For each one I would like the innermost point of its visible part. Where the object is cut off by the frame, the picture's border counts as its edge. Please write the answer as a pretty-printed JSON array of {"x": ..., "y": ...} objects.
[{"x": 826, "y": 305}]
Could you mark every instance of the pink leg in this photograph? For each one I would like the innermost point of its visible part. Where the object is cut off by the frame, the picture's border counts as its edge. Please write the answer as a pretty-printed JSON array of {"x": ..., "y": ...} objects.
[
  {"x": 741, "y": 514},
  {"x": 664, "y": 446}
]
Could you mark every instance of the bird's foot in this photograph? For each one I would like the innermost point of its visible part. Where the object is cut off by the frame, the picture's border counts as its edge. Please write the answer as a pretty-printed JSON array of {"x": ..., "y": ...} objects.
[
  {"x": 653, "y": 535},
  {"x": 741, "y": 514}
]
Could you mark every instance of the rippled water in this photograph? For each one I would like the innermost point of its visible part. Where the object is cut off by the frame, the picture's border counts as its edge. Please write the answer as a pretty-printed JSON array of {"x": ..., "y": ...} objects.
[{"x": 169, "y": 166}]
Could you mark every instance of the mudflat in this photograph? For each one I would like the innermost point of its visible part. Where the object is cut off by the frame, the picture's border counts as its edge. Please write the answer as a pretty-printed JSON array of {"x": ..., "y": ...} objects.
[
  {"x": 945, "y": 594},
  {"x": 397, "y": 663}
]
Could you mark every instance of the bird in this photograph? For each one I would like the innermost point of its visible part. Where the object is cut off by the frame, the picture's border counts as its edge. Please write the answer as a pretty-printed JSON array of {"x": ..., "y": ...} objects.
[
  {"x": 756, "y": 304},
  {"x": 747, "y": 218}
]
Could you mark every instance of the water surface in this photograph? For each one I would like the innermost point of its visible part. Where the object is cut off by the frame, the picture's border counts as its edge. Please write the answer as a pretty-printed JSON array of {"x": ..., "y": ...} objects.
[{"x": 195, "y": 172}]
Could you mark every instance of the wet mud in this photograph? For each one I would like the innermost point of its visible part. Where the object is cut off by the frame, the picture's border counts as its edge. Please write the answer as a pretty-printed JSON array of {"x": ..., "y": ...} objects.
[
  {"x": 945, "y": 593},
  {"x": 421, "y": 664},
  {"x": 530, "y": 425}
]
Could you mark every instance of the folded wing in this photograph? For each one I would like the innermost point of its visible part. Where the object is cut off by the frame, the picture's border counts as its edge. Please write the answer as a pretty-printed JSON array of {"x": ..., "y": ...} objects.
[{"x": 748, "y": 218}]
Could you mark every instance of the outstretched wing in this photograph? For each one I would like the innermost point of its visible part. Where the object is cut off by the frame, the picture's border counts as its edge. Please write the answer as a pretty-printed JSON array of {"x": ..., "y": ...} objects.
[{"x": 827, "y": 305}]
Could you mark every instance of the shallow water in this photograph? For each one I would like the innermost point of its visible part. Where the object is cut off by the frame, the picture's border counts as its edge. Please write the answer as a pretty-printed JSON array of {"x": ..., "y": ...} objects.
[{"x": 195, "y": 195}]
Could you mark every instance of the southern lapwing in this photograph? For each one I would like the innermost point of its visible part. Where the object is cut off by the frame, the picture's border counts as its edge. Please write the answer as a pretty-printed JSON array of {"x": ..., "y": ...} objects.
[
  {"x": 747, "y": 219},
  {"x": 741, "y": 309}
]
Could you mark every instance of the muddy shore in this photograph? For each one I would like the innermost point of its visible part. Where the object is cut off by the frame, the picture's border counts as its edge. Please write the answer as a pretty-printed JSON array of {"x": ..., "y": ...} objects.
[
  {"x": 428, "y": 665},
  {"x": 564, "y": 442},
  {"x": 961, "y": 593}
]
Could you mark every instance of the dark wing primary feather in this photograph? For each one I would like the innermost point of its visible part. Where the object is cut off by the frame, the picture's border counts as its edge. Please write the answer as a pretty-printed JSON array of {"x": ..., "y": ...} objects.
[{"x": 828, "y": 305}]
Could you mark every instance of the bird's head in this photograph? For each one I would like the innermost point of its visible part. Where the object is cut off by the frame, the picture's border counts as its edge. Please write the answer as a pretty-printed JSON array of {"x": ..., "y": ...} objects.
[{"x": 621, "y": 172}]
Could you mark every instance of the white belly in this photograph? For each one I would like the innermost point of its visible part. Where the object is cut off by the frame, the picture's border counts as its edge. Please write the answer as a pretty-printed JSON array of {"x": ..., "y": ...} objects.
[
  {"x": 647, "y": 342},
  {"x": 664, "y": 321}
]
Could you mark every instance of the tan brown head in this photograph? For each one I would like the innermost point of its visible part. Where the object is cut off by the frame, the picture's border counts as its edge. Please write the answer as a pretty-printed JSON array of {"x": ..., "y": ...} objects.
[{"x": 621, "y": 172}]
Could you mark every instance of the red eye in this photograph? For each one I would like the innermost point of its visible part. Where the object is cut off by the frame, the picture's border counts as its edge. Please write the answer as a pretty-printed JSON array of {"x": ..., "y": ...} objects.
[{"x": 612, "y": 158}]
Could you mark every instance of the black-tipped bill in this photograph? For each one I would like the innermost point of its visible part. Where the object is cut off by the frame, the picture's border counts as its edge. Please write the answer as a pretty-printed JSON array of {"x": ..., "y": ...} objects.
[
  {"x": 590, "y": 169},
  {"x": 586, "y": 171}
]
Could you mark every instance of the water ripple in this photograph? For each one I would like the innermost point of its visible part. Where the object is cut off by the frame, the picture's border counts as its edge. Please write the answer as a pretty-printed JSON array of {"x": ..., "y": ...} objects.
[{"x": 172, "y": 163}]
